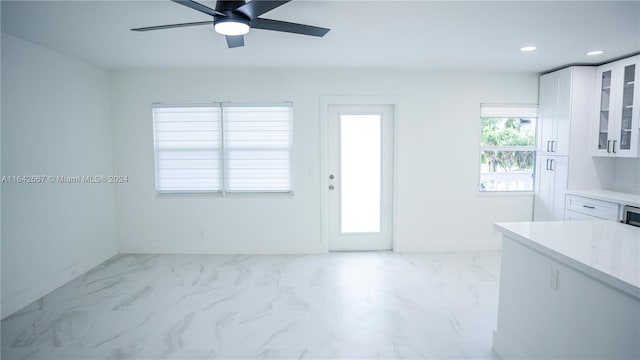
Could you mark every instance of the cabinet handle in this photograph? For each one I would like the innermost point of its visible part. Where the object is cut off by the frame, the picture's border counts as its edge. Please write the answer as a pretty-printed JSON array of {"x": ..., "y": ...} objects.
[
  {"x": 614, "y": 146},
  {"x": 553, "y": 146},
  {"x": 548, "y": 144},
  {"x": 608, "y": 144},
  {"x": 551, "y": 164},
  {"x": 547, "y": 165},
  {"x": 589, "y": 206}
]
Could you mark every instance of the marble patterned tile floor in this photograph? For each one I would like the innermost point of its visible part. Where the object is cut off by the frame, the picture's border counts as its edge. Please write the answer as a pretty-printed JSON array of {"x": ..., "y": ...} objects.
[{"x": 366, "y": 305}]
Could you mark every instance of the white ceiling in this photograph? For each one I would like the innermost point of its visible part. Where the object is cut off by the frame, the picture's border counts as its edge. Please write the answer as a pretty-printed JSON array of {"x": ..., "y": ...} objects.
[{"x": 460, "y": 35}]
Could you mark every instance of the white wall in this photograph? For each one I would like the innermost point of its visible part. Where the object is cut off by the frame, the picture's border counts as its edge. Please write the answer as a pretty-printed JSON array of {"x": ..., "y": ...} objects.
[
  {"x": 438, "y": 206},
  {"x": 55, "y": 121}
]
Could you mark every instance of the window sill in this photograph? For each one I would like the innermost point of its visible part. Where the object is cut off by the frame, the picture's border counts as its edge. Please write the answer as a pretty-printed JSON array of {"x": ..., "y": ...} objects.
[{"x": 506, "y": 193}]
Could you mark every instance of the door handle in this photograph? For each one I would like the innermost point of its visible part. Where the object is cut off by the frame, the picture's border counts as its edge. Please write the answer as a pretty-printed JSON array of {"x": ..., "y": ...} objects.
[
  {"x": 548, "y": 144},
  {"x": 553, "y": 146},
  {"x": 547, "y": 167},
  {"x": 608, "y": 143},
  {"x": 614, "y": 146},
  {"x": 551, "y": 164}
]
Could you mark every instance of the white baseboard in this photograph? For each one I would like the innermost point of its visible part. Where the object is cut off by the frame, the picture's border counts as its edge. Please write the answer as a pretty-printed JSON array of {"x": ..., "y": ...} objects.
[
  {"x": 26, "y": 297},
  {"x": 504, "y": 349}
]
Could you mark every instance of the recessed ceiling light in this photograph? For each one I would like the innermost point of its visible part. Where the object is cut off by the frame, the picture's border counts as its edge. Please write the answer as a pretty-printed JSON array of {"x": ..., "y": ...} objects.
[
  {"x": 527, "y": 48},
  {"x": 595, "y": 52}
]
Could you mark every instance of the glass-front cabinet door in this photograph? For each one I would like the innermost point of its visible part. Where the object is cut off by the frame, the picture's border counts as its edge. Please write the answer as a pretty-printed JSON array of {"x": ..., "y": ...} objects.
[
  {"x": 617, "y": 124},
  {"x": 626, "y": 113},
  {"x": 604, "y": 143}
]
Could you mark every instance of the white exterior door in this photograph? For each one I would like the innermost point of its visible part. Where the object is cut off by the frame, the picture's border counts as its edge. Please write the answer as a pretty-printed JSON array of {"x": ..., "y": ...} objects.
[{"x": 360, "y": 177}]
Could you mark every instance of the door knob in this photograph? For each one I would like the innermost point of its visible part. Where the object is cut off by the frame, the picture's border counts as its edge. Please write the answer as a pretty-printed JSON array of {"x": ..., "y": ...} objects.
[{"x": 331, "y": 187}]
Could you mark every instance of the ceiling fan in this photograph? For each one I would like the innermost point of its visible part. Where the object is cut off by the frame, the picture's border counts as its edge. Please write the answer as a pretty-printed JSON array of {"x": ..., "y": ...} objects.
[{"x": 234, "y": 19}]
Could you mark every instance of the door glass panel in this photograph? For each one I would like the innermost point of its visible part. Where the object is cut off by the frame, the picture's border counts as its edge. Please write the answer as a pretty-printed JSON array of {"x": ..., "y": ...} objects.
[
  {"x": 605, "y": 94},
  {"x": 360, "y": 168},
  {"x": 627, "y": 107}
]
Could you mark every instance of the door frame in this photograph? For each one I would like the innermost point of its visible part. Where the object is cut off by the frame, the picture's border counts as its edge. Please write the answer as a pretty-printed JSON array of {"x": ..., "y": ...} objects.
[{"x": 325, "y": 102}]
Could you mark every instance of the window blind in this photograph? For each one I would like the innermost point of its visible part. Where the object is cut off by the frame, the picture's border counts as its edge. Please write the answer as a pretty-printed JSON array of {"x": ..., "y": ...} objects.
[
  {"x": 223, "y": 148},
  {"x": 257, "y": 147},
  {"x": 508, "y": 111},
  {"x": 187, "y": 148}
]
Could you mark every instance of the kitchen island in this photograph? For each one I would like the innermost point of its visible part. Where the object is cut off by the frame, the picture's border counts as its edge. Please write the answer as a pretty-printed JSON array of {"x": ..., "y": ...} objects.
[{"x": 569, "y": 290}]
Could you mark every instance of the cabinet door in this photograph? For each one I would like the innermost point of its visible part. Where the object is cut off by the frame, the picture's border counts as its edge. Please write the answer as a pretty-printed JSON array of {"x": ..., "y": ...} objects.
[
  {"x": 559, "y": 168},
  {"x": 544, "y": 188},
  {"x": 616, "y": 131},
  {"x": 625, "y": 136},
  {"x": 562, "y": 119},
  {"x": 551, "y": 185},
  {"x": 603, "y": 129},
  {"x": 548, "y": 99},
  {"x": 554, "y": 112}
]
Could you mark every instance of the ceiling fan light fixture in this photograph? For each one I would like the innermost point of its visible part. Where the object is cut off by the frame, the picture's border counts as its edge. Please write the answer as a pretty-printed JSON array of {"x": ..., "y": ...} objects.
[
  {"x": 235, "y": 18},
  {"x": 232, "y": 27}
]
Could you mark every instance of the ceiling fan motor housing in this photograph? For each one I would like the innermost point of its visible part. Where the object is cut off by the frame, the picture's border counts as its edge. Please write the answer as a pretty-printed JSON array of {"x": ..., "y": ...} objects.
[{"x": 228, "y": 5}]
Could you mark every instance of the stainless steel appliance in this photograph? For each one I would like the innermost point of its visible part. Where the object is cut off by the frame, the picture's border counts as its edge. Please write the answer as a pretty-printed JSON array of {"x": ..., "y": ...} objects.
[{"x": 631, "y": 216}]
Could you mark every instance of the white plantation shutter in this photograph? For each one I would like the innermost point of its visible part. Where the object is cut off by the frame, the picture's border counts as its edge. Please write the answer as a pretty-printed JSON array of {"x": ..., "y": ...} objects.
[
  {"x": 199, "y": 146},
  {"x": 257, "y": 145},
  {"x": 187, "y": 147}
]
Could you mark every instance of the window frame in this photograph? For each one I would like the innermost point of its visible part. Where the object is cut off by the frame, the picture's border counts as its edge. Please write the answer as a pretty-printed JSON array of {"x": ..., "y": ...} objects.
[
  {"x": 511, "y": 113},
  {"x": 222, "y": 151}
]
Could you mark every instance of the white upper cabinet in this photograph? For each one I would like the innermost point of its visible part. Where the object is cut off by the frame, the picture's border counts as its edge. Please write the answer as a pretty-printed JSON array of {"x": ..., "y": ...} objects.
[
  {"x": 554, "y": 113},
  {"x": 618, "y": 108}
]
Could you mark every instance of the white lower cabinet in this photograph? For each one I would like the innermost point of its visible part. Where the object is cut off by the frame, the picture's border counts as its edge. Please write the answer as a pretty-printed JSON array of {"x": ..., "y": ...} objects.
[
  {"x": 551, "y": 184},
  {"x": 570, "y": 215},
  {"x": 583, "y": 208}
]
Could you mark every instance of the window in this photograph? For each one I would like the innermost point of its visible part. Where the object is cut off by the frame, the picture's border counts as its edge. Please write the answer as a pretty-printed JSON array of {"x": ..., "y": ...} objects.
[
  {"x": 187, "y": 146},
  {"x": 507, "y": 147},
  {"x": 223, "y": 148},
  {"x": 257, "y": 146}
]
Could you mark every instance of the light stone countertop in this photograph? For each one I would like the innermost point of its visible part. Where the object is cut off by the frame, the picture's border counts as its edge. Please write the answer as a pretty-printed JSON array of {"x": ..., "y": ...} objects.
[
  {"x": 606, "y": 195},
  {"x": 606, "y": 250}
]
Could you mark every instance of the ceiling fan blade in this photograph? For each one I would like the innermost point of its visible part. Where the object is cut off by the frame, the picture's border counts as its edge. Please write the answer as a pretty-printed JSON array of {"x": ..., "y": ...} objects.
[
  {"x": 255, "y": 8},
  {"x": 171, "y": 26},
  {"x": 277, "y": 25},
  {"x": 198, "y": 7},
  {"x": 234, "y": 41}
]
